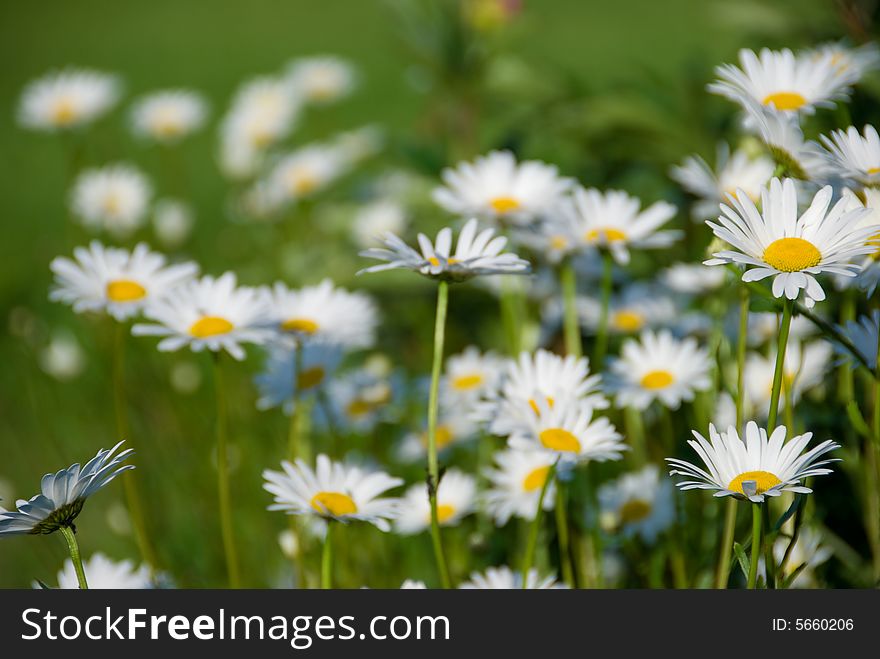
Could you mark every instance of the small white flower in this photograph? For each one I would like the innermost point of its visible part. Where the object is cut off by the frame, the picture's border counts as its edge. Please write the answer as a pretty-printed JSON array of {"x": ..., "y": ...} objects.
[
  {"x": 503, "y": 578},
  {"x": 63, "y": 358},
  {"x": 321, "y": 80},
  {"x": 67, "y": 99},
  {"x": 639, "y": 503},
  {"x": 377, "y": 219},
  {"x": 637, "y": 307},
  {"x": 453, "y": 429},
  {"x": 692, "y": 278},
  {"x": 455, "y": 499},
  {"x": 114, "y": 198},
  {"x": 808, "y": 550},
  {"x": 103, "y": 573},
  {"x": 855, "y": 156},
  {"x": 805, "y": 367},
  {"x": 412, "y": 584},
  {"x": 168, "y": 116},
  {"x": 851, "y": 64},
  {"x": 361, "y": 399},
  {"x": 304, "y": 173},
  {"x": 313, "y": 368},
  {"x": 469, "y": 377},
  {"x": 757, "y": 468},
  {"x": 172, "y": 222},
  {"x": 516, "y": 481}
]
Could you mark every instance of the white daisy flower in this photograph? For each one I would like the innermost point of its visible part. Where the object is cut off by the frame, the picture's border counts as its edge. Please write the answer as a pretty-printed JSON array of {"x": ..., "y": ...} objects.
[
  {"x": 168, "y": 116},
  {"x": 67, "y": 99},
  {"x": 614, "y": 220},
  {"x": 376, "y": 219},
  {"x": 453, "y": 429},
  {"x": 63, "y": 357},
  {"x": 497, "y": 187},
  {"x": 475, "y": 254},
  {"x": 805, "y": 368},
  {"x": 692, "y": 278},
  {"x": 314, "y": 367},
  {"x": 324, "y": 312},
  {"x": 304, "y": 173},
  {"x": 638, "y": 503},
  {"x": 850, "y": 63},
  {"x": 321, "y": 80},
  {"x": 855, "y": 156},
  {"x": 361, "y": 399},
  {"x": 808, "y": 550},
  {"x": 503, "y": 578},
  {"x": 789, "y": 247},
  {"x": 208, "y": 313},
  {"x": 782, "y": 81},
  {"x": 173, "y": 221},
  {"x": 412, "y": 584},
  {"x": 757, "y": 468},
  {"x": 737, "y": 171},
  {"x": 658, "y": 367},
  {"x": 516, "y": 481},
  {"x": 782, "y": 135},
  {"x": 456, "y": 495},
  {"x": 114, "y": 198},
  {"x": 763, "y": 328},
  {"x": 103, "y": 573},
  {"x": 867, "y": 198},
  {"x": 864, "y": 336},
  {"x": 469, "y": 377},
  {"x": 567, "y": 431},
  {"x": 115, "y": 280},
  {"x": 637, "y": 307},
  {"x": 63, "y": 494},
  {"x": 333, "y": 491}
]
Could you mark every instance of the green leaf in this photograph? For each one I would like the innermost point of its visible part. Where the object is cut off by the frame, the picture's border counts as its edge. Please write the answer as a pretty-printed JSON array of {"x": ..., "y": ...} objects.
[
  {"x": 741, "y": 558},
  {"x": 794, "y": 575}
]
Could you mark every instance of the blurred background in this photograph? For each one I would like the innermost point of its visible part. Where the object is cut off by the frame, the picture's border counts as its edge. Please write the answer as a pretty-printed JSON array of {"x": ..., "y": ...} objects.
[{"x": 613, "y": 93}]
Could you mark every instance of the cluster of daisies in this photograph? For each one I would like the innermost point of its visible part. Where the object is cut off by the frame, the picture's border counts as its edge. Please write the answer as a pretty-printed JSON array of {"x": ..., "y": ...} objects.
[{"x": 510, "y": 437}]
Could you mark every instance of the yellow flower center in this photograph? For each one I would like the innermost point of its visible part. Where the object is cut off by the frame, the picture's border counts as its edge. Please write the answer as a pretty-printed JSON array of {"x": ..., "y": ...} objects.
[
  {"x": 559, "y": 439},
  {"x": 634, "y": 510},
  {"x": 873, "y": 170},
  {"x": 659, "y": 379},
  {"x": 302, "y": 325},
  {"x": 535, "y": 479},
  {"x": 359, "y": 407},
  {"x": 442, "y": 437},
  {"x": 792, "y": 254},
  {"x": 785, "y": 100},
  {"x": 534, "y": 404},
  {"x": 607, "y": 234},
  {"x": 310, "y": 377},
  {"x": 334, "y": 503},
  {"x": 763, "y": 480},
  {"x": 64, "y": 112},
  {"x": 433, "y": 260},
  {"x": 466, "y": 382},
  {"x": 874, "y": 241},
  {"x": 302, "y": 183},
  {"x": 111, "y": 204},
  {"x": 445, "y": 512},
  {"x": 504, "y": 204},
  {"x": 125, "y": 290},
  {"x": 558, "y": 242},
  {"x": 210, "y": 326},
  {"x": 628, "y": 321}
]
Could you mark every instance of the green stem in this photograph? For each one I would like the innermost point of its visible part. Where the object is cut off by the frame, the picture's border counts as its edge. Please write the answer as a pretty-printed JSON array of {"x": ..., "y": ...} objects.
[
  {"x": 571, "y": 327},
  {"x": 510, "y": 316},
  {"x": 532, "y": 541},
  {"x": 562, "y": 535},
  {"x": 635, "y": 431},
  {"x": 723, "y": 571},
  {"x": 602, "y": 330},
  {"x": 756, "y": 545},
  {"x": 769, "y": 559},
  {"x": 327, "y": 558},
  {"x": 70, "y": 535},
  {"x": 845, "y": 387},
  {"x": 779, "y": 371},
  {"x": 223, "y": 495},
  {"x": 798, "y": 522},
  {"x": 741, "y": 343},
  {"x": 433, "y": 402}
]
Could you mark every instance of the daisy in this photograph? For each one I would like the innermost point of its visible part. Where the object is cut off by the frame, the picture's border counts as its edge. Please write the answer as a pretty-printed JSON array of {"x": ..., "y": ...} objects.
[
  {"x": 791, "y": 248},
  {"x": 455, "y": 499},
  {"x": 67, "y": 99},
  {"x": 173, "y": 221},
  {"x": 475, "y": 254},
  {"x": 212, "y": 313},
  {"x": 114, "y": 198},
  {"x": 304, "y": 173},
  {"x": 321, "y": 80},
  {"x": 692, "y": 278},
  {"x": 63, "y": 495},
  {"x": 763, "y": 328},
  {"x": 412, "y": 584},
  {"x": 659, "y": 367},
  {"x": 313, "y": 367},
  {"x": 568, "y": 432},
  {"x": 333, "y": 491},
  {"x": 864, "y": 334},
  {"x": 782, "y": 81},
  {"x": 104, "y": 573},
  {"x": 638, "y": 503},
  {"x": 115, "y": 280},
  {"x": 355, "y": 146},
  {"x": 503, "y": 578},
  {"x": 453, "y": 429},
  {"x": 805, "y": 367},
  {"x": 850, "y": 63},
  {"x": 469, "y": 377},
  {"x": 168, "y": 116},
  {"x": 377, "y": 218},
  {"x": 855, "y": 156},
  {"x": 808, "y": 551},
  {"x": 737, "y": 171},
  {"x": 63, "y": 357},
  {"x": 324, "y": 313},
  {"x": 757, "y": 468},
  {"x": 497, "y": 187},
  {"x": 637, "y": 307},
  {"x": 613, "y": 220},
  {"x": 782, "y": 135},
  {"x": 362, "y": 399},
  {"x": 516, "y": 481}
]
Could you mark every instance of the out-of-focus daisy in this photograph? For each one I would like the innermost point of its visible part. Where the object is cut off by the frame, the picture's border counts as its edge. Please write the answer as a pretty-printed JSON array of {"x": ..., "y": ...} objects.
[
  {"x": 208, "y": 313},
  {"x": 503, "y": 578},
  {"x": 615, "y": 221},
  {"x": 103, "y": 573},
  {"x": 63, "y": 358},
  {"x": 567, "y": 431},
  {"x": 637, "y": 307},
  {"x": 496, "y": 186},
  {"x": 172, "y": 222},
  {"x": 855, "y": 156},
  {"x": 114, "y": 198},
  {"x": 168, "y": 116},
  {"x": 790, "y": 247},
  {"x": 325, "y": 313},
  {"x": 361, "y": 399},
  {"x": 864, "y": 336},
  {"x": 738, "y": 171},
  {"x": 867, "y": 198},
  {"x": 321, "y": 80},
  {"x": 377, "y": 219},
  {"x": 763, "y": 328},
  {"x": 851, "y": 63},
  {"x": 470, "y": 376},
  {"x": 638, "y": 503},
  {"x": 355, "y": 146},
  {"x": 658, "y": 367},
  {"x": 115, "y": 280},
  {"x": 412, "y": 584},
  {"x": 782, "y": 135},
  {"x": 760, "y": 467},
  {"x": 67, "y": 99},
  {"x": 516, "y": 480},
  {"x": 808, "y": 550},
  {"x": 332, "y": 491},
  {"x": 63, "y": 494},
  {"x": 313, "y": 369},
  {"x": 475, "y": 254},
  {"x": 692, "y": 278},
  {"x": 782, "y": 81},
  {"x": 304, "y": 173},
  {"x": 456, "y": 495},
  {"x": 805, "y": 367},
  {"x": 453, "y": 428}
]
